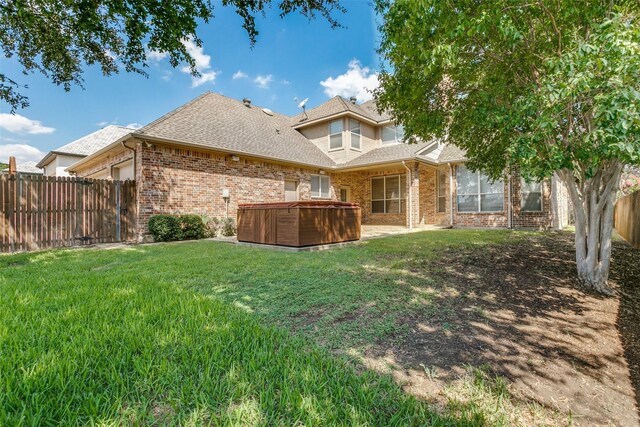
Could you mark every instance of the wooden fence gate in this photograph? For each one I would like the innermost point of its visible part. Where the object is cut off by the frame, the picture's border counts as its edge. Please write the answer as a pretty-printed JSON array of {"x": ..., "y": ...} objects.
[{"x": 38, "y": 212}]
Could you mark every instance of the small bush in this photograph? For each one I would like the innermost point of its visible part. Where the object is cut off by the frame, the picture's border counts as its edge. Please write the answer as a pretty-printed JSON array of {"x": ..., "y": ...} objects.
[
  {"x": 165, "y": 228},
  {"x": 192, "y": 227},
  {"x": 211, "y": 226},
  {"x": 227, "y": 227}
]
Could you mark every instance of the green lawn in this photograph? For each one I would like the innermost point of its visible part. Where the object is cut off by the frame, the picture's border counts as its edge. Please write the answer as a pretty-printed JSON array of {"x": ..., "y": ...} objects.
[{"x": 211, "y": 333}]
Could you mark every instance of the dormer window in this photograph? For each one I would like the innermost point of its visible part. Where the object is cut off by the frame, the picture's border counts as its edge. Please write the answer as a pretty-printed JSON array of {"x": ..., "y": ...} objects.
[
  {"x": 355, "y": 134},
  {"x": 392, "y": 134},
  {"x": 335, "y": 135}
]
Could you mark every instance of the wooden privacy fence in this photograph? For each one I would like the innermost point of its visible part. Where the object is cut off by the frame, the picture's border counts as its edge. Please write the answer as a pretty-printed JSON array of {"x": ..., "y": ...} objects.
[
  {"x": 38, "y": 212},
  {"x": 627, "y": 218}
]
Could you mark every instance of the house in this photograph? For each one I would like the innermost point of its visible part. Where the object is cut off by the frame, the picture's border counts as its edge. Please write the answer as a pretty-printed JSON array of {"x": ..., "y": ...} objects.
[
  {"x": 56, "y": 161},
  {"x": 25, "y": 168},
  {"x": 214, "y": 153}
]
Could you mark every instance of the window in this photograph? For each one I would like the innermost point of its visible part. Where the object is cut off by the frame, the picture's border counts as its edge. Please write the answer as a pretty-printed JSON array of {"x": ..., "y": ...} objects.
[
  {"x": 476, "y": 193},
  {"x": 392, "y": 134},
  {"x": 355, "y": 134},
  {"x": 335, "y": 135},
  {"x": 531, "y": 193},
  {"x": 388, "y": 194},
  {"x": 320, "y": 187},
  {"x": 441, "y": 184}
]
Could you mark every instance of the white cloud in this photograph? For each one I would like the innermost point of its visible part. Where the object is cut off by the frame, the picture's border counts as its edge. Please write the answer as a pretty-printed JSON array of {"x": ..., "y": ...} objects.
[
  {"x": 134, "y": 125},
  {"x": 22, "y": 153},
  {"x": 16, "y": 123},
  {"x": 155, "y": 56},
  {"x": 263, "y": 82},
  {"x": 285, "y": 82},
  {"x": 102, "y": 123},
  {"x": 239, "y": 75},
  {"x": 358, "y": 81},
  {"x": 202, "y": 63}
]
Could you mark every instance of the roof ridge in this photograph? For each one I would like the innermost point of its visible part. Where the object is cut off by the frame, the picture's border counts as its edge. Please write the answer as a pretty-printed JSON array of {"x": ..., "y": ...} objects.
[{"x": 172, "y": 113}]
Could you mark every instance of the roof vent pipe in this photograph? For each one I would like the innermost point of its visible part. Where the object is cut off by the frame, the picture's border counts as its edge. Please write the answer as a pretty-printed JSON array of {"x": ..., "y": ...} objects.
[
  {"x": 353, "y": 100},
  {"x": 246, "y": 102}
]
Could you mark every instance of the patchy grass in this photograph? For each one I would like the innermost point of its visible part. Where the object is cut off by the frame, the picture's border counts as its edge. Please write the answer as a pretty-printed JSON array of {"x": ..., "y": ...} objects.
[
  {"x": 85, "y": 338},
  {"x": 199, "y": 332}
]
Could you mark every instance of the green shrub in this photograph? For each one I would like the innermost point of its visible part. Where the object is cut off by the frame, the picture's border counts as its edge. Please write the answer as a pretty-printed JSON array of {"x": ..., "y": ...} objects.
[
  {"x": 165, "y": 228},
  {"x": 211, "y": 226},
  {"x": 192, "y": 227},
  {"x": 228, "y": 227}
]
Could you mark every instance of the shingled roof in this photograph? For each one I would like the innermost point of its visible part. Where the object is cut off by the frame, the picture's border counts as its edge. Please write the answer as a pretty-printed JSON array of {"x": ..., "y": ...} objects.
[
  {"x": 338, "y": 105},
  {"x": 428, "y": 151},
  {"x": 88, "y": 144},
  {"x": 218, "y": 122}
]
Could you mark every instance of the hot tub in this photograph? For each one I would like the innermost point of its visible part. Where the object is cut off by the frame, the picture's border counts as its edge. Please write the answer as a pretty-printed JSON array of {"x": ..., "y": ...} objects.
[{"x": 302, "y": 223}]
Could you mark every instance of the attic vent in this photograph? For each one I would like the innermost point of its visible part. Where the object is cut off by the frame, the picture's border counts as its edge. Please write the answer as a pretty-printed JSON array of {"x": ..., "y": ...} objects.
[
  {"x": 267, "y": 112},
  {"x": 246, "y": 102}
]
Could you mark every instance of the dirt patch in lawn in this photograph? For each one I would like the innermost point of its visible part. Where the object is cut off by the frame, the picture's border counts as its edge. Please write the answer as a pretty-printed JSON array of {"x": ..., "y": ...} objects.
[{"x": 517, "y": 310}]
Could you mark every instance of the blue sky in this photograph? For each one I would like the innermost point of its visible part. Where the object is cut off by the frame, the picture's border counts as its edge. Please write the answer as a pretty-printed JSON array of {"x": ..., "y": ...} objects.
[{"x": 294, "y": 57}]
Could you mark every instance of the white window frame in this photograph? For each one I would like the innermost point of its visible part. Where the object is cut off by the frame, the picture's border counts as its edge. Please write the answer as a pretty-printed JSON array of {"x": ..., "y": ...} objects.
[
  {"x": 321, "y": 178},
  {"x": 396, "y": 140},
  {"x": 444, "y": 194},
  {"x": 401, "y": 194},
  {"x": 479, "y": 193},
  {"x": 341, "y": 133},
  {"x": 355, "y": 128},
  {"x": 523, "y": 198}
]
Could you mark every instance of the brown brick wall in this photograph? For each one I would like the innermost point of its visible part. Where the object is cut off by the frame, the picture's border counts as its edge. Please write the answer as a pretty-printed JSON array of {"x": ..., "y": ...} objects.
[
  {"x": 360, "y": 186},
  {"x": 535, "y": 220},
  {"x": 178, "y": 180}
]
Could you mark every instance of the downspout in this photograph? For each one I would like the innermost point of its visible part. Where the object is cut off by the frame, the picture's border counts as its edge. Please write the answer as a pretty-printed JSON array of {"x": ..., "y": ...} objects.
[
  {"x": 451, "y": 195},
  {"x": 134, "y": 158},
  {"x": 410, "y": 198}
]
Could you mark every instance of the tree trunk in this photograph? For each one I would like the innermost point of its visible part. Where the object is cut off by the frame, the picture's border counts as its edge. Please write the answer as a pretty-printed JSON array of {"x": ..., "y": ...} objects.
[{"x": 593, "y": 202}]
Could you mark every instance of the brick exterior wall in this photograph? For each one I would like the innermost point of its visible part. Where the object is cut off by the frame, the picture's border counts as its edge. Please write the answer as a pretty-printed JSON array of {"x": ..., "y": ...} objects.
[
  {"x": 536, "y": 220},
  {"x": 360, "y": 185},
  {"x": 175, "y": 180}
]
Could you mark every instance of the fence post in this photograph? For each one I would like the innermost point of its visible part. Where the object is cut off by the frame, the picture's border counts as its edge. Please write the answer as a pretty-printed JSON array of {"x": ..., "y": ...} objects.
[{"x": 118, "y": 183}]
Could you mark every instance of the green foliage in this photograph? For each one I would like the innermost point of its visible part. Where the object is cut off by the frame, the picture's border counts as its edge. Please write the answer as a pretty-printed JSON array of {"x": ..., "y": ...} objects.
[
  {"x": 543, "y": 85},
  {"x": 228, "y": 227},
  {"x": 58, "y": 38},
  {"x": 212, "y": 225},
  {"x": 165, "y": 228},
  {"x": 3, "y": 166},
  {"x": 192, "y": 227}
]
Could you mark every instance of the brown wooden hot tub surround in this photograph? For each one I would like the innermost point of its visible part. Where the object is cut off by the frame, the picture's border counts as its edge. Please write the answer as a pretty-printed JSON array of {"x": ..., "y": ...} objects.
[{"x": 302, "y": 223}]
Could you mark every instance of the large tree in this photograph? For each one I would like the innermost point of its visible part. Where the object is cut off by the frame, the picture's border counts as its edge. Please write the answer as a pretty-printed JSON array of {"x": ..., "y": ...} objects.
[
  {"x": 549, "y": 86},
  {"x": 58, "y": 37}
]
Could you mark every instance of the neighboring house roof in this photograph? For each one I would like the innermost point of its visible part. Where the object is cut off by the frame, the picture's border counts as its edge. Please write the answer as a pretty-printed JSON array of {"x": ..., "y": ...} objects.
[
  {"x": 88, "y": 144},
  {"x": 336, "y": 106},
  {"x": 29, "y": 167},
  {"x": 218, "y": 122}
]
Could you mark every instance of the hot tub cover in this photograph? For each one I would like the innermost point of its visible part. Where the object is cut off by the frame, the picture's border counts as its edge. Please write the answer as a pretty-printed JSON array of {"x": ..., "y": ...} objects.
[{"x": 300, "y": 204}]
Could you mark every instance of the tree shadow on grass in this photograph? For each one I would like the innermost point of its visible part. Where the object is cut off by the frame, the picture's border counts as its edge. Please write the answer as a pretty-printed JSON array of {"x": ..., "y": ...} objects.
[{"x": 517, "y": 308}]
